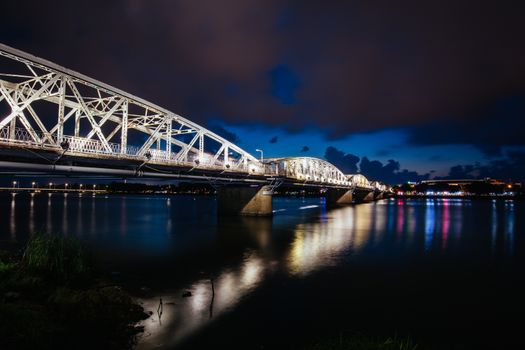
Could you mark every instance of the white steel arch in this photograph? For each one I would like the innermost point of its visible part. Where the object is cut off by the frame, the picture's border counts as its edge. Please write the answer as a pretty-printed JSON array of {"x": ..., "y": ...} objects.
[
  {"x": 92, "y": 119},
  {"x": 379, "y": 186},
  {"x": 307, "y": 169},
  {"x": 359, "y": 180}
]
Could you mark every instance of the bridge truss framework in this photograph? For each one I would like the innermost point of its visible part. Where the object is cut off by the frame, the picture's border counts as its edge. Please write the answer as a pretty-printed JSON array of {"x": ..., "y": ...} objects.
[
  {"x": 95, "y": 120},
  {"x": 49, "y": 108}
]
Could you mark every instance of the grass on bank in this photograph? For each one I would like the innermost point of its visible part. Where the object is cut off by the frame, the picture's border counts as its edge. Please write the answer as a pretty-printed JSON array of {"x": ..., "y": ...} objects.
[
  {"x": 5, "y": 267},
  {"x": 50, "y": 299},
  {"x": 58, "y": 258},
  {"x": 360, "y": 342}
]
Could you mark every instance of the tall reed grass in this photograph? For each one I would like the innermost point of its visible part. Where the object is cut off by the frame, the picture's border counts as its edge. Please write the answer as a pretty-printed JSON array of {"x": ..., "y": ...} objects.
[{"x": 58, "y": 257}]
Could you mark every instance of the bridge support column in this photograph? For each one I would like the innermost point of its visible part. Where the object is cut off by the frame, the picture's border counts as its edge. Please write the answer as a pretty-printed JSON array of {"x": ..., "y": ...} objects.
[
  {"x": 338, "y": 196},
  {"x": 379, "y": 195},
  {"x": 363, "y": 196},
  {"x": 243, "y": 200}
]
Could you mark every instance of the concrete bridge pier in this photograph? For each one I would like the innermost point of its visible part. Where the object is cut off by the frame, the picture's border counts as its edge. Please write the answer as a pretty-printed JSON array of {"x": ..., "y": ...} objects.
[
  {"x": 338, "y": 196},
  {"x": 362, "y": 195},
  {"x": 379, "y": 195},
  {"x": 244, "y": 200}
]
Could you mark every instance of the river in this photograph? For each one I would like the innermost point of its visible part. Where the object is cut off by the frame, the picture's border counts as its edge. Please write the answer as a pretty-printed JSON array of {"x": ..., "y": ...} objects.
[{"x": 447, "y": 272}]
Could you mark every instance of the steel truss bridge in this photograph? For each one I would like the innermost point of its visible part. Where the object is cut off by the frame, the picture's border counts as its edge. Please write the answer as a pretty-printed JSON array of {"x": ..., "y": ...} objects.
[{"x": 54, "y": 121}]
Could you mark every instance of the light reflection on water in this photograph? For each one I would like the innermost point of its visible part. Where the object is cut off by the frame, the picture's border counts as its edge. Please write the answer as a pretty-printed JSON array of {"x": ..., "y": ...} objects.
[
  {"x": 318, "y": 245},
  {"x": 302, "y": 239},
  {"x": 509, "y": 223},
  {"x": 182, "y": 316},
  {"x": 315, "y": 246},
  {"x": 32, "y": 213},
  {"x": 494, "y": 225},
  {"x": 12, "y": 217},
  {"x": 430, "y": 223},
  {"x": 445, "y": 225}
]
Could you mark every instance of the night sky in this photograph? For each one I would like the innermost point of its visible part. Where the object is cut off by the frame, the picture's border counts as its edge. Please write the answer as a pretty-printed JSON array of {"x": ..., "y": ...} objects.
[{"x": 398, "y": 90}]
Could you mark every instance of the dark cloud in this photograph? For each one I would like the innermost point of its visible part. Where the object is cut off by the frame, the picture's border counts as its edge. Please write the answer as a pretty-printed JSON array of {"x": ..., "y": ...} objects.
[
  {"x": 348, "y": 67},
  {"x": 284, "y": 84},
  {"x": 389, "y": 173},
  {"x": 374, "y": 170},
  {"x": 273, "y": 139},
  {"x": 346, "y": 162},
  {"x": 392, "y": 63},
  {"x": 461, "y": 172},
  {"x": 304, "y": 149},
  {"x": 228, "y": 135},
  {"x": 509, "y": 168},
  {"x": 498, "y": 124}
]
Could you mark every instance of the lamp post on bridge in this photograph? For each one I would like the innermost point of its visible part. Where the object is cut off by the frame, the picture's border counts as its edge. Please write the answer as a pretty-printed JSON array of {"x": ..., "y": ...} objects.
[{"x": 260, "y": 150}]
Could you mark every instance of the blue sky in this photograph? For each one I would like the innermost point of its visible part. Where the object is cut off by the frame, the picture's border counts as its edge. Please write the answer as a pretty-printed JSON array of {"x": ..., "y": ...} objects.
[{"x": 380, "y": 145}]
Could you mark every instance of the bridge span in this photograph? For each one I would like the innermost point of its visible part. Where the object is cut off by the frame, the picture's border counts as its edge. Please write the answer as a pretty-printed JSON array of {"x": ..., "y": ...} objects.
[{"x": 57, "y": 122}]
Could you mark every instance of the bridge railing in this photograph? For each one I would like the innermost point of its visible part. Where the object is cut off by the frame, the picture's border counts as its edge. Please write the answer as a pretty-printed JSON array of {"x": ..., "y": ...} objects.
[
  {"x": 82, "y": 145},
  {"x": 298, "y": 169},
  {"x": 85, "y": 145},
  {"x": 18, "y": 135},
  {"x": 74, "y": 144}
]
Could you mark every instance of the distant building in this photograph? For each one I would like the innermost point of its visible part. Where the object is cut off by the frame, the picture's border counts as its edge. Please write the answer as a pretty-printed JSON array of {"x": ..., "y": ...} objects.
[{"x": 461, "y": 187}]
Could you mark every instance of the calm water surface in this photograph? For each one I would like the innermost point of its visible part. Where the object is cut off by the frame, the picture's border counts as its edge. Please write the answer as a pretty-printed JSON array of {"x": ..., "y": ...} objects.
[{"x": 447, "y": 272}]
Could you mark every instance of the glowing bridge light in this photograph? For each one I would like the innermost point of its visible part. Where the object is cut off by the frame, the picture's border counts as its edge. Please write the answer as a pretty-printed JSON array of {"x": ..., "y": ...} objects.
[{"x": 308, "y": 207}]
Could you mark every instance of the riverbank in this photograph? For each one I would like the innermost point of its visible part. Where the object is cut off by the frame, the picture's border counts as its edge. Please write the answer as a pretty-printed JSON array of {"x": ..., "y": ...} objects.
[{"x": 51, "y": 298}]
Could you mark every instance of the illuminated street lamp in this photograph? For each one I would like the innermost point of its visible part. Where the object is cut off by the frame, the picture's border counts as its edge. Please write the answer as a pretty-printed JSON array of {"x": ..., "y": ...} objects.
[
  {"x": 33, "y": 184},
  {"x": 260, "y": 150},
  {"x": 65, "y": 185},
  {"x": 14, "y": 184}
]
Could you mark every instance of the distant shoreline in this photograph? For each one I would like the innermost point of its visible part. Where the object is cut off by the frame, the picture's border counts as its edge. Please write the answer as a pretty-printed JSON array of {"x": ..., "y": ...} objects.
[
  {"x": 163, "y": 193},
  {"x": 478, "y": 196}
]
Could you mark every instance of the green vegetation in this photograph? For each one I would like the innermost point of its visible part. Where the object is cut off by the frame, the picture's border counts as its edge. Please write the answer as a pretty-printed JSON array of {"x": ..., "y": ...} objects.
[
  {"x": 5, "y": 267},
  {"x": 58, "y": 258},
  {"x": 360, "y": 342},
  {"x": 49, "y": 299}
]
